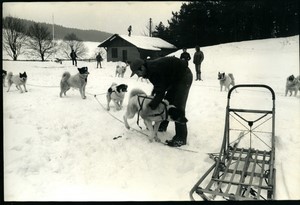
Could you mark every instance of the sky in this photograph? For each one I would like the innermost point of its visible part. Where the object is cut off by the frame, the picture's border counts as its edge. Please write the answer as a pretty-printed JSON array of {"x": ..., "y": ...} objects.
[{"x": 107, "y": 16}]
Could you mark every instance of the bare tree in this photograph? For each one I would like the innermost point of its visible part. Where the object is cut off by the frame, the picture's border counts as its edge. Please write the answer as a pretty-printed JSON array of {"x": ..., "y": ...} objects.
[
  {"x": 14, "y": 37},
  {"x": 71, "y": 41},
  {"x": 41, "y": 43}
]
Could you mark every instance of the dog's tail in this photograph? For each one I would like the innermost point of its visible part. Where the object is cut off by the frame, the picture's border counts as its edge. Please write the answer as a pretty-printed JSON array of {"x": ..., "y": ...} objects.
[
  {"x": 231, "y": 76},
  {"x": 136, "y": 91},
  {"x": 9, "y": 76},
  {"x": 66, "y": 75}
]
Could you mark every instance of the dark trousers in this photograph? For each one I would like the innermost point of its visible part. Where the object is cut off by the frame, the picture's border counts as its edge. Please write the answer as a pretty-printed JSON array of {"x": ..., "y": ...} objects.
[
  {"x": 99, "y": 63},
  {"x": 74, "y": 62},
  {"x": 198, "y": 71},
  {"x": 178, "y": 96}
]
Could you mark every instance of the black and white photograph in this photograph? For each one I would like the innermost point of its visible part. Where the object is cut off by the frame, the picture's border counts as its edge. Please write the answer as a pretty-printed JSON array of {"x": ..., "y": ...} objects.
[{"x": 134, "y": 101}]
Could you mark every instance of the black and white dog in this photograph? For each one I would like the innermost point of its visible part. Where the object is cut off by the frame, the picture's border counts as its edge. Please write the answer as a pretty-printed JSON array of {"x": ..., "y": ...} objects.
[
  {"x": 76, "y": 81},
  {"x": 116, "y": 93},
  {"x": 18, "y": 80}
]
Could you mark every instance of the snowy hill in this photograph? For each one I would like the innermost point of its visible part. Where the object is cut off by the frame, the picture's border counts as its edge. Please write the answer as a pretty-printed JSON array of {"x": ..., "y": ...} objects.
[{"x": 64, "y": 148}]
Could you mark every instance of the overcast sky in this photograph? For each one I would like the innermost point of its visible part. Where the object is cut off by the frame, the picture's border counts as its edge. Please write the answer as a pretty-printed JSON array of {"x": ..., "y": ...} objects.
[{"x": 112, "y": 17}]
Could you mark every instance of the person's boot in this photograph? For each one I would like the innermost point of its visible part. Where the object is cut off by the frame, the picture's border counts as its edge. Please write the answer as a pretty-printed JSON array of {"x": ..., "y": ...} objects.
[{"x": 175, "y": 142}]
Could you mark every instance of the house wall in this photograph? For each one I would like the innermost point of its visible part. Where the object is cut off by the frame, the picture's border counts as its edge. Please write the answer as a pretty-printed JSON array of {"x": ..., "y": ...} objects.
[
  {"x": 120, "y": 50},
  {"x": 132, "y": 53}
]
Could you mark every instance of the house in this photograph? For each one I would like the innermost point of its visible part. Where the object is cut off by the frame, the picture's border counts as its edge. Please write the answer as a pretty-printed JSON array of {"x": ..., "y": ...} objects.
[{"x": 127, "y": 48}]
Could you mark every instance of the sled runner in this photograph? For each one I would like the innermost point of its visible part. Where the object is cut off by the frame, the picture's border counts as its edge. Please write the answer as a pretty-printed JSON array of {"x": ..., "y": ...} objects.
[{"x": 244, "y": 167}]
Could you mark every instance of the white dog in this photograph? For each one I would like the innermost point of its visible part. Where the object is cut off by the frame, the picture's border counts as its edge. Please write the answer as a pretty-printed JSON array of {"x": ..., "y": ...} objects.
[
  {"x": 138, "y": 103},
  {"x": 120, "y": 70},
  {"x": 226, "y": 80}
]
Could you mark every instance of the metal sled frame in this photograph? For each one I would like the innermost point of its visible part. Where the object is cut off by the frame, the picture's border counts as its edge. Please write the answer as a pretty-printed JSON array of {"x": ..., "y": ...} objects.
[{"x": 241, "y": 173}]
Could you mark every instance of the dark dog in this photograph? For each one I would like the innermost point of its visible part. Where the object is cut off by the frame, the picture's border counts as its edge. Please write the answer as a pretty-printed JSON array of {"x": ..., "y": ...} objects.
[
  {"x": 76, "y": 81},
  {"x": 18, "y": 80},
  {"x": 116, "y": 93},
  {"x": 292, "y": 84},
  {"x": 138, "y": 103},
  {"x": 4, "y": 74}
]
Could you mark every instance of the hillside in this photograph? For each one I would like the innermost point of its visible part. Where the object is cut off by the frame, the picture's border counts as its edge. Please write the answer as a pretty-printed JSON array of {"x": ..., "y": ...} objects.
[{"x": 60, "y": 32}]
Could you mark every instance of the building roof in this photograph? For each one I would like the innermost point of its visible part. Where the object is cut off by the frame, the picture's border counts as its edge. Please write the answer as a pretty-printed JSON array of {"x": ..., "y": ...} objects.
[{"x": 142, "y": 42}]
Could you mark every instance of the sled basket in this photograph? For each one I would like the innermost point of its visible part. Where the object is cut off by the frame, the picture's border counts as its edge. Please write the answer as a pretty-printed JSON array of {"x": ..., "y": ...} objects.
[{"x": 244, "y": 167}]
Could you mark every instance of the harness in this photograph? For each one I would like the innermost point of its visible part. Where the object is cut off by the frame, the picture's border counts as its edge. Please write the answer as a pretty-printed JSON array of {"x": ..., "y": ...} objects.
[
  {"x": 116, "y": 92},
  {"x": 141, "y": 100}
]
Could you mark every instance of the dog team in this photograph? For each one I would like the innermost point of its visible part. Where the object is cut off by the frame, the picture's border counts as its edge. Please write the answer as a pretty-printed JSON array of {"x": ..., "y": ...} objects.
[{"x": 166, "y": 102}]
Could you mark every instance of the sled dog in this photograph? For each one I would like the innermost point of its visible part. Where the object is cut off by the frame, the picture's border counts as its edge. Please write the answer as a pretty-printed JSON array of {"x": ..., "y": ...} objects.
[
  {"x": 18, "y": 80},
  {"x": 116, "y": 93},
  {"x": 120, "y": 70},
  {"x": 76, "y": 81},
  {"x": 138, "y": 103},
  {"x": 226, "y": 80},
  {"x": 292, "y": 84},
  {"x": 4, "y": 74}
]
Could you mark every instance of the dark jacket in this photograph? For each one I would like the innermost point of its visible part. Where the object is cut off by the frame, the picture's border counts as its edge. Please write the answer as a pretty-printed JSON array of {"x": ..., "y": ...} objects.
[
  {"x": 99, "y": 58},
  {"x": 198, "y": 57},
  {"x": 73, "y": 55},
  {"x": 185, "y": 56},
  {"x": 164, "y": 73}
]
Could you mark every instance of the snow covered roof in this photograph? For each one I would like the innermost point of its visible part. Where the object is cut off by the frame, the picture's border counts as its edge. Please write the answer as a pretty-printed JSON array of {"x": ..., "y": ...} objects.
[{"x": 143, "y": 42}]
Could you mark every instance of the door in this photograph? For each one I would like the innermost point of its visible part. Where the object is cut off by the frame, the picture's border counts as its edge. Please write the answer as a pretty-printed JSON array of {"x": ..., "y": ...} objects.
[{"x": 124, "y": 55}]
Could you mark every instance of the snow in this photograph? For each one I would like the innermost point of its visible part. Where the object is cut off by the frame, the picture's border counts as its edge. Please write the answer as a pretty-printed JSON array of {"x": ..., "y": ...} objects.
[
  {"x": 62, "y": 149},
  {"x": 148, "y": 43}
]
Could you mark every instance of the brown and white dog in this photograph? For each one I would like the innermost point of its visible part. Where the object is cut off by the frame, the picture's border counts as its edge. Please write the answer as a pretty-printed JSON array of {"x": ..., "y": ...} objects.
[
  {"x": 292, "y": 84},
  {"x": 138, "y": 103},
  {"x": 76, "y": 81},
  {"x": 116, "y": 93},
  {"x": 226, "y": 80},
  {"x": 18, "y": 80}
]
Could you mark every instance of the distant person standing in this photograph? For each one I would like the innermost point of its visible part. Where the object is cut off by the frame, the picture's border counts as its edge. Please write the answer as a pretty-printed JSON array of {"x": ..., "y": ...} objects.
[
  {"x": 185, "y": 56},
  {"x": 73, "y": 57},
  {"x": 99, "y": 59},
  {"x": 129, "y": 30},
  {"x": 198, "y": 58}
]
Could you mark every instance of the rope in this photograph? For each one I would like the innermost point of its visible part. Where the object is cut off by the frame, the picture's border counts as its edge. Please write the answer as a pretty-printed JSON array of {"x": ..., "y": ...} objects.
[
  {"x": 43, "y": 86},
  {"x": 138, "y": 131}
]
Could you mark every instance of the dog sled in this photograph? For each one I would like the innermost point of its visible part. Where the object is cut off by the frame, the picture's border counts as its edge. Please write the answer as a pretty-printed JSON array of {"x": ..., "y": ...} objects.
[{"x": 244, "y": 168}]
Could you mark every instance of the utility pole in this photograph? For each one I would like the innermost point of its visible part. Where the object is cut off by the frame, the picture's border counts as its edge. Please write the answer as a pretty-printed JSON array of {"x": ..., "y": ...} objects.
[
  {"x": 150, "y": 27},
  {"x": 53, "y": 26}
]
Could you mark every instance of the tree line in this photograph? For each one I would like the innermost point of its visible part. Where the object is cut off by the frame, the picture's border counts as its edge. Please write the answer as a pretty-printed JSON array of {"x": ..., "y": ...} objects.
[
  {"x": 221, "y": 21},
  {"x": 36, "y": 40}
]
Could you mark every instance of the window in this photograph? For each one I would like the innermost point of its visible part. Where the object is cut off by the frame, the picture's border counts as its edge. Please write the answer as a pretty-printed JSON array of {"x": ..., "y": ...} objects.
[{"x": 114, "y": 53}]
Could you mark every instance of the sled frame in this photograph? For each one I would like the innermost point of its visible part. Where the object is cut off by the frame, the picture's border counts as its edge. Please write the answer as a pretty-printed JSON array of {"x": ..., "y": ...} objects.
[{"x": 241, "y": 173}]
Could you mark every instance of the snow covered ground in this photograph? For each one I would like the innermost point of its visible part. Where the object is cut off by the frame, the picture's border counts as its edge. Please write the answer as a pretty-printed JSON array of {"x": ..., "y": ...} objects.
[{"x": 62, "y": 149}]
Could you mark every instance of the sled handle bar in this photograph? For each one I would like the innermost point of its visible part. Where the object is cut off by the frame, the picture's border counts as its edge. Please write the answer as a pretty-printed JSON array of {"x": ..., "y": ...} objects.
[{"x": 253, "y": 86}]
